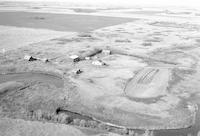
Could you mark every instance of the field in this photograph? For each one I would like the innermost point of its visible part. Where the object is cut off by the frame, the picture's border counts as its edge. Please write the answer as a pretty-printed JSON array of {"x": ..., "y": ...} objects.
[
  {"x": 137, "y": 72},
  {"x": 58, "y": 22}
]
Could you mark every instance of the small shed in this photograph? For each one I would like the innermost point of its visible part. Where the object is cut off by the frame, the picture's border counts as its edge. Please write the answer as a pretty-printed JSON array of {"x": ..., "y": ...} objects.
[
  {"x": 29, "y": 58},
  {"x": 75, "y": 58}
]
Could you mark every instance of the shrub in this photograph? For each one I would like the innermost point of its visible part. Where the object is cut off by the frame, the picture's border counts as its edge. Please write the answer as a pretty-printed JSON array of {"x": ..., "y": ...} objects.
[
  {"x": 92, "y": 124},
  {"x": 76, "y": 122},
  {"x": 64, "y": 118},
  {"x": 152, "y": 133},
  {"x": 47, "y": 116},
  {"x": 147, "y": 44},
  {"x": 38, "y": 114},
  {"x": 102, "y": 126},
  {"x": 55, "y": 118},
  {"x": 131, "y": 133},
  {"x": 68, "y": 120},
  {"x": 33, "y": 117},
  {"x": 146, "y": 133},
  {"x": 44, "y": 116},
  {"x": 50, "y": 116},
  {"x": 29, "y": 114},
  {"x": 136, "y": 134},
  {"x": 83, "y": 123},
  {"x": 85, "y": 35},
  {"x": 124, "y": 131},
  {"x": 123, "y": 41}
]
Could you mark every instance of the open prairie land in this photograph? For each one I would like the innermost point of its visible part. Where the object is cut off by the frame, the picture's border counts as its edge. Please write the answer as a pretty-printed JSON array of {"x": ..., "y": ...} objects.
[{"x": 99, "y": 72}]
